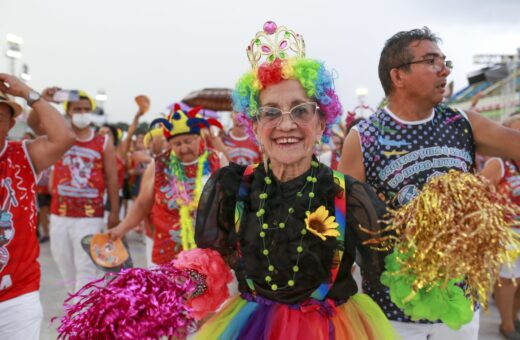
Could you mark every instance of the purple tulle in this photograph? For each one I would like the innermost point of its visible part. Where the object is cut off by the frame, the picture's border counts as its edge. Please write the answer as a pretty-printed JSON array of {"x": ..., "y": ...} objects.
[
  {"x": 257, "y": 325},
  {"x": 133, "y": 304}
]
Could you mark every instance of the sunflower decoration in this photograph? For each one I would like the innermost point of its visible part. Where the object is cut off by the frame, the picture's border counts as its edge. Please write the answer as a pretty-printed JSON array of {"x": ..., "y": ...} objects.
[{"x": 321, "y": 224}]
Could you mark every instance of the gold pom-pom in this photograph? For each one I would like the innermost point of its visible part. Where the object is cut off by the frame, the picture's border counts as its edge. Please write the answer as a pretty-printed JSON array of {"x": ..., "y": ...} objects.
[{"x": 458, "y": 227}]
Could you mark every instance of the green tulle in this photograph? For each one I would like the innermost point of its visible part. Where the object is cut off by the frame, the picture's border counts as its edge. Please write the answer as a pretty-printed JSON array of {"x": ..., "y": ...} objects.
[{"x": 447, "y": 303}]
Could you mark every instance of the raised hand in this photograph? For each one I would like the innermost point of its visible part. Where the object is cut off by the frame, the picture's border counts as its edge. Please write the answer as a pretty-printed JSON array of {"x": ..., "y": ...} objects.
[
  {"x": 143, "y": 102},
  {"x": 48, "y": 93},
  {"x": 13, "y": 86}
]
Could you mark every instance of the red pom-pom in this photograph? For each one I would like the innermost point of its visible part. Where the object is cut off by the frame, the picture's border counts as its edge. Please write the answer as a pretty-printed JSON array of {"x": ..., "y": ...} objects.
[
  {"x": 217, "y": 274},
  {"x": 270, "y": 73}
]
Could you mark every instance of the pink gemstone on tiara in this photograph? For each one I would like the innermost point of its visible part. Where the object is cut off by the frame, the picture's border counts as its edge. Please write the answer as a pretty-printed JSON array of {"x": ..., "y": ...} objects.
[
  {"x": 270, "y": 27},
  {"x": 283, "y": 44}
]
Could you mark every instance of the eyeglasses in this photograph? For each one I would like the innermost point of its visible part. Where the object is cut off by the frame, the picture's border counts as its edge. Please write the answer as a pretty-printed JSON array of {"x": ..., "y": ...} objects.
[
  {"x": 302, "y": 114},
  {"x": 438, "y": 62}
]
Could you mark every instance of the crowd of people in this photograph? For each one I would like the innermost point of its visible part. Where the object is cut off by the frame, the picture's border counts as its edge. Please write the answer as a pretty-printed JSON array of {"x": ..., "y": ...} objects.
[{"x": 279, "y": 196}]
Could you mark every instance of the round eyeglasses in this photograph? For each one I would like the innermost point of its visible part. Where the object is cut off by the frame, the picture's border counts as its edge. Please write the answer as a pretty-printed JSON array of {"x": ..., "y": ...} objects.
[{"x": 302, "y": 114}]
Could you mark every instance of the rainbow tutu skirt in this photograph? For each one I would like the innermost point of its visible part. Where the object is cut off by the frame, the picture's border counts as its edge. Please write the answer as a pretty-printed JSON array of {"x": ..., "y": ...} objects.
[{"x": 242, "y": 318}]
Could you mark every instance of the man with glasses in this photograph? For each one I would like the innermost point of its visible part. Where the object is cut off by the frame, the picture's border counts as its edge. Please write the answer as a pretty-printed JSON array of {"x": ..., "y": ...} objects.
[{"x": 414, "y": 138}]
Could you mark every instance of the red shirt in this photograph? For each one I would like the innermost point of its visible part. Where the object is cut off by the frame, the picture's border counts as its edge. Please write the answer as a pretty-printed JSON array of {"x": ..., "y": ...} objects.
[
  {"x": 19, "y": 248},
  {"x": 164, "y": 215},
  {"x": 78, "y": 183},
  {"x": 242, "y": 150},
  {"x": 510, "y": 182}
]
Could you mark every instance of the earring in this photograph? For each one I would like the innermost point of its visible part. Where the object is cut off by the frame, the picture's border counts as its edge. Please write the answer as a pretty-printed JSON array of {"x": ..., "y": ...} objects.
[
  {"x": 260, "y": 145},
  {"x": 317, "y": 147}
]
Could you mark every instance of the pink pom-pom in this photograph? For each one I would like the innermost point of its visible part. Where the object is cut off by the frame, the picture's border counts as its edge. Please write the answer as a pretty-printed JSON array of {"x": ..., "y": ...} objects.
[
  {"x": 133, "y": 304},
  {"x": 217, "y": 274}
]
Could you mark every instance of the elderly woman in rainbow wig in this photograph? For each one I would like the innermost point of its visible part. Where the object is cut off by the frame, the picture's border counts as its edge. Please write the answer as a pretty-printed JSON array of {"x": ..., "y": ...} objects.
[
  {"x": 289, "y": 227},
  {"x": 172, "y": 184}
]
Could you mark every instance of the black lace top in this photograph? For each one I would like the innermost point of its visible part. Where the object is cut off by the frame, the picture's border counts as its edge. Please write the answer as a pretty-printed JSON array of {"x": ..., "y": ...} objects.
[{"x": 215, "y": 228}]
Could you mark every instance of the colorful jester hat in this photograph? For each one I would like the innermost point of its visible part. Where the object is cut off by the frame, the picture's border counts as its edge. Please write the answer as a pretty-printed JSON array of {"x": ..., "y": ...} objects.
[
  {"x": 276, "y": 54},
  {"x": 180, "y": 122}
]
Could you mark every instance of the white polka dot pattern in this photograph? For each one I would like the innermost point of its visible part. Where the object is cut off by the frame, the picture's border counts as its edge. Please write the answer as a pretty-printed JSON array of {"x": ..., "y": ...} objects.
[{"x": 400, "y": 158}]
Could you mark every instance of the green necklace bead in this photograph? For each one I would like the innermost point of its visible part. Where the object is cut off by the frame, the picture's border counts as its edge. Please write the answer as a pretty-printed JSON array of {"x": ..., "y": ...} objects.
[{"x": 265, "y": 226}]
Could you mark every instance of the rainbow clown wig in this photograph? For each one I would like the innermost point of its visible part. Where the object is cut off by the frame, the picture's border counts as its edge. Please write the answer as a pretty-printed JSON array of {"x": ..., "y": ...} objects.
[{"x": 312, "y": 75}]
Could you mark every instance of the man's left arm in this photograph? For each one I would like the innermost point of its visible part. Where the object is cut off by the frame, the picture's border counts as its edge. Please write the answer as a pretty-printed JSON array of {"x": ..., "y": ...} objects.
[
  {"x": 493, "y": 139},
  {"x": 109, "y": 164}
]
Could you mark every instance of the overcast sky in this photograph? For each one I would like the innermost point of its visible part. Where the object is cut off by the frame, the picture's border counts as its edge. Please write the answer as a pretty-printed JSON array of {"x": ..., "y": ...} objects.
[{"x": 166, "y": 49}]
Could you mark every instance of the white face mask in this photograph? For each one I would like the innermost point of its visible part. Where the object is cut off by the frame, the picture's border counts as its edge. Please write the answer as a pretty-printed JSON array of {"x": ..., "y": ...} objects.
[{"x": 81, "y": 120}]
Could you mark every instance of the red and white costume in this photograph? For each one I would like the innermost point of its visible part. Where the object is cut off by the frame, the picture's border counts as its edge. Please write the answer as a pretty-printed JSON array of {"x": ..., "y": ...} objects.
[
  {"x": 164, "y": 216},
  {"x": 78, "y": 186},
  {"x": 20, "y": 308},
  {"x": 242, "y": 150},
  {"x": 510, "y": 184}
]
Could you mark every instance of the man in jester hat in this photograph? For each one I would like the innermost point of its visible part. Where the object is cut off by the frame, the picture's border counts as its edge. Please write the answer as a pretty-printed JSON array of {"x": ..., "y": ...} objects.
[{"x": 171, "y": 185}]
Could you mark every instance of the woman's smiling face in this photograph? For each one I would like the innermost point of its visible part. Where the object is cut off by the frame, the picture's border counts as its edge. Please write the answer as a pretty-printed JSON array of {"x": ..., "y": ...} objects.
[{"x": 287, "y": 143}]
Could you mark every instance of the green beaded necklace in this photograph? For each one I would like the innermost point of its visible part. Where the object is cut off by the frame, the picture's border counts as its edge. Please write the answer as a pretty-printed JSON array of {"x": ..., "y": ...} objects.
[{"x": 264, "y": 227}]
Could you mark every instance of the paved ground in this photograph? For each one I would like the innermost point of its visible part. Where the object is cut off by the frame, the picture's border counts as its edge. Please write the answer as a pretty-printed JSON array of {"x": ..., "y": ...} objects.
[{"x": 53, "y": 294}]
